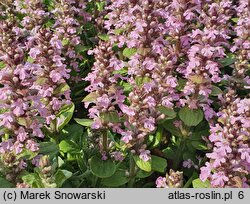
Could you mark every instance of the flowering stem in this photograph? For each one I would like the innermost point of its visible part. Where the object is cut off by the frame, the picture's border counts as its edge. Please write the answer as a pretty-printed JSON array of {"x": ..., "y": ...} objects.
[
  {"x": 105, "y": 140},
  {"x": 132, "y": 172}
]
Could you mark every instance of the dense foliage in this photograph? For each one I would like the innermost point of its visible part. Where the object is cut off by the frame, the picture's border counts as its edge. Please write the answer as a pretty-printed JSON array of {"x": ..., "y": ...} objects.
[{"x": 124, "y": 93}]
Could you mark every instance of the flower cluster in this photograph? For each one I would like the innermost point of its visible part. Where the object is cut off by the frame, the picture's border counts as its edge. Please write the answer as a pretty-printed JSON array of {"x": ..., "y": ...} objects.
[
  {"x": 209, "y": 42},
  {"x": 34, "y": 73},
  {"x": 18, "y": 113},
  {"x": 159, "y": 56},
  {"x": 230, "y": 160},
  {"x": 172, "y": 180},
  {"x": 143, "y": 34},
  {"x": 158, "y": 45},
  {"x": 242, "y": 42}
]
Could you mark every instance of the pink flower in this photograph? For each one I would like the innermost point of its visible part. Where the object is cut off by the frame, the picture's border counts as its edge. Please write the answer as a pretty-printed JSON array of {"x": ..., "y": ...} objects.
[
  {"x": 117, "y": 64},
  {"x": 36, "y": 127},
  {"x": 219, "y": 179},
  {"x": 161, "y": 182},
  {"x": 245, "y": 154},
  {"x": 97, "y": 124},
  {"x": 6, "y": 146},
  {"x": 149, "y": 123},
  {"x": 127, "y": 136},
  {"x": 145, "y": 155},
  {"x": 34, "y": 52},
  {"x": 127, "y": 110},
  {"x": 17, "y": 147},
  {"x": 21, "y": 134},
  {"x": 149, "y": 64},
  {"x": 205, "y": 172},
  {"x": 57, "y": 44},
  {"x": 207, "y": 51},
  {"x": 171, "y": 81},
  {"x": 103, "y": 101},
  {"x": 150, "y": 101},
  {"x": 177, "y": 123},
  {"x": 104, "y": 156},
  {"x": 55, "y": 76},
  {"x": 32, "y": 145},
  {"x": 188, "y": 163},
  {"x": 20, "y": 106},
  {"x": 36, "y": 160},
  {"x": 6, "y": 120},
  {"x": 117, "y": 156}
]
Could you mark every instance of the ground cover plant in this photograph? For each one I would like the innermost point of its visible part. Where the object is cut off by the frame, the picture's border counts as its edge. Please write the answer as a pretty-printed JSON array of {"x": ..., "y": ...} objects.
[{"x": 124, "y": 93}]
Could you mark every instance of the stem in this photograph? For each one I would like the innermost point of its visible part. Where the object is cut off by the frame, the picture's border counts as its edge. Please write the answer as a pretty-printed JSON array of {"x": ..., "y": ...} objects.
[
  {"x": 105, "y": 140},
  {"x": 189, "y": 182},
  {"x": 179, "y": 153},
  {"x": 131, "y": 172}
]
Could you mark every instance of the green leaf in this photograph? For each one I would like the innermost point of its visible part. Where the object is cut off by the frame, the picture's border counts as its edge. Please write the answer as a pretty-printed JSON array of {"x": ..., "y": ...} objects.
[
  {"x": 100, "y": 5},
  {"x": 143, "y": 165},
  {"x": 227, "y": 61},
  {"x": 141, "y": 80},
  {"x": 170, "y": 113},
  {"x": 72, "y": 132},
  {"x": 191, "y": 117},
  {"x": 64, "y": 116},
  {"x": 22, "y": 121},
  {"x": 143, "y": 174},
  {"x": 81, "y": 48},
  {"x": 111, "y": 117},
  {"x": 127, "y": 87},
  {"x": 33, "y": 180},
  {"x": 65, "y": 41},
  {"x": 41, "y": 80},
  {"x": 90, "y": 97},
  {"x": 169, "y": 153},
  {"x": 158, "y": 164},
  {"x": 119, "y": 178},
  {"x": 199, "y": 145},
  {"x": 61, "y": 176},
  {"x": 84, "y": 122},
  {"x": 100, "y": 168},
  {"x": 235, "y": 20},
  {"x": 216, "y": 91},
  {"x": 128, "y": 52},
  {"x": 49, "y": 23},
  {"x": 61, "y": 88},
  {"x": 190, "y": 147},
  {"x": 197, "y": 136},
  {"x": 197, "y": 79},
  {"x": 48, "y": 148},
  {"x": 5, "y": 184},
  {"x": 2, "y": 65},
  {"x": 103, "y": 37},
  {"x": 156, "y": 139},
  {"x": 123, "y": 71},
  {"x": 197, "y": 183},
  {"x": 181, "y": 84},
  {"x": 27, "y": 154},
  {"x": 47, "y": 2},
  {"x": 68, "y": 146},
  {"x": 30, "y": 60},
  {"x": 119, "y": 31},
  {"x": 169, "y": 126}
]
